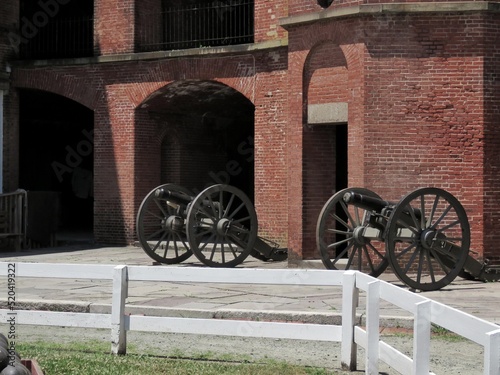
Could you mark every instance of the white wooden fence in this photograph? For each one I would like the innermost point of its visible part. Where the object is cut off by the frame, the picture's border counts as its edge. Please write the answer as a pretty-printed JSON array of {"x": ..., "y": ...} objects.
[{"x": 424, "y": 310}]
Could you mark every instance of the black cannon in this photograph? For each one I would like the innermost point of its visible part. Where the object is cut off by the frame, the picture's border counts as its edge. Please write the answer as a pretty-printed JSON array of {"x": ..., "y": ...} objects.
[
  {"x": 425, "y": 237},
  {"x": 219, "y": 226}
]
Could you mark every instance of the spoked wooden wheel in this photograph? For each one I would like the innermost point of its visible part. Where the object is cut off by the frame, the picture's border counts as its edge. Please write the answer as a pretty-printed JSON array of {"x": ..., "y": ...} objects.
[
  {"x": 428, "y": 238},
  {"x": 345, "y": 239},
  {"x": 161, "y": 227},
  {"x": 221, "y": 226}
]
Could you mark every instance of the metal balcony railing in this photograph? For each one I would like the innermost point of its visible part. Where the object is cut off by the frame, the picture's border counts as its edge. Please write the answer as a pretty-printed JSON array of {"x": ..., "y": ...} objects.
[
  {"x": 190, "y": 25},
  {"x": 205, "y": 24},
  {"x": 59, "y": 38}
]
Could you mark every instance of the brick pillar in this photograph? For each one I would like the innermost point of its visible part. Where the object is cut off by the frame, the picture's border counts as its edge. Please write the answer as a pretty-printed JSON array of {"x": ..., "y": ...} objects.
[
  {"x": 491, "y": 197},
  {"x": 114, "y": 27},
  {"x": 270, "y": 169},
  {"x": 295, "y": 153},
  {"x": 114, "y": 171}
]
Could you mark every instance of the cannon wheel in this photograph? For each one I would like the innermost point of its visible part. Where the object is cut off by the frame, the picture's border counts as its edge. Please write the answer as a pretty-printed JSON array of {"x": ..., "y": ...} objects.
[
  {"x": 338, "y": 241},
  {"x": 427, "y": 251},
  {"x": 157, "y": 234},
  {"x": 221, "y": 226}
]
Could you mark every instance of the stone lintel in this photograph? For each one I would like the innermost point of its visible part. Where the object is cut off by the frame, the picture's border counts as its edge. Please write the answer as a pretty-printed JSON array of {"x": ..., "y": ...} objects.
[{"x": 328, "y": 113}]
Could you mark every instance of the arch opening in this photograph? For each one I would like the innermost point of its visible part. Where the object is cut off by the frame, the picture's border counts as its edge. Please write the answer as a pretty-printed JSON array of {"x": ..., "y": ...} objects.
[
  {"x": 56, "y": 164},
  {"x": 205, "y": 135},
  {"x": 326, "y": 98}
]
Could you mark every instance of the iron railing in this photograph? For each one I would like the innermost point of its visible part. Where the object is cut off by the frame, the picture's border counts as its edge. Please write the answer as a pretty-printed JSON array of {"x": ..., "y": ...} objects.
[
  {"x": 204, "y": 24},
  {"x": 59, "y": 38}
]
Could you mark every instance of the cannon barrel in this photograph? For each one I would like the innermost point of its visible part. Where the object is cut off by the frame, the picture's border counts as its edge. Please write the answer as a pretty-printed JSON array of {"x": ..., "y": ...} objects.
[
  {"x": 173, "y": 196},
  {"x": 366, "y": 202},
  {"x": 375, "y": 204}
]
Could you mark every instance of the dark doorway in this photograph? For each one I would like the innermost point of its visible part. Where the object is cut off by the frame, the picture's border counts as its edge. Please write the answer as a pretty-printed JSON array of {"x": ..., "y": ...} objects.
[
  {"x": 56, "y": 163},
  {"x": 341, "y": 176}
]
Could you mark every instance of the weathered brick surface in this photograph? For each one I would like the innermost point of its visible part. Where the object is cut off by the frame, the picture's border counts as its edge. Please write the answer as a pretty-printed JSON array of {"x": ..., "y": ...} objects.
[
  {"x": 267, "y": 15},
  {"x": 114, "y": 26},
  {"x": 128, "y": 140},
  {"x": 422, "y": 92},
  {"x": 420, "y": 103},
  {"x": 488, "y": 215},
  {"x": 424, "y": 100}
]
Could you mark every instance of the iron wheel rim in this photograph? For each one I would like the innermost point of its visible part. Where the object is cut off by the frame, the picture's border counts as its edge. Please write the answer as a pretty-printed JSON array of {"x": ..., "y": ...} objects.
[
  {"x": 159, "y": 242},
  {"x": 334, "y": 231},
  {"x": 420, "y": 254}
]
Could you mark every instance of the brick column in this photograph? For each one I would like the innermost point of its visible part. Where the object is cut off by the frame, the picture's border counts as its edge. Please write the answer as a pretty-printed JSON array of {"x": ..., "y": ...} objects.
[
  {"x": 114, "y": 27},
  {"x": 114, "y": 171},
  {"x": 295, "y": 153}
]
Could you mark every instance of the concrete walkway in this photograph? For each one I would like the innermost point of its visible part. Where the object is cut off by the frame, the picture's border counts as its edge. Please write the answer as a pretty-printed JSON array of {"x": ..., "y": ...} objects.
[{"x": 295, "y": 303}]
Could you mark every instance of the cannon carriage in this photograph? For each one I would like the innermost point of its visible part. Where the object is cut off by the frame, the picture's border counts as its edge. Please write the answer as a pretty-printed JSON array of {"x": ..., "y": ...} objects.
[
  {"x": 219, "y": 226},
  {"x": 424, "y": 238}
]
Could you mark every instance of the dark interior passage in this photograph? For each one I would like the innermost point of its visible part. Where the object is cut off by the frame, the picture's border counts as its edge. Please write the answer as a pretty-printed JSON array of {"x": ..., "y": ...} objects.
[
  {"x": 56, "y": 157},
  {"x": 207, "y": 135}
]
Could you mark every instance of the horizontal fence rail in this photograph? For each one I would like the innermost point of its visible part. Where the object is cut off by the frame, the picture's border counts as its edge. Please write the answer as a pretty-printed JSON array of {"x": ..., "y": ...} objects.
[{"x": 349, "y": 334}]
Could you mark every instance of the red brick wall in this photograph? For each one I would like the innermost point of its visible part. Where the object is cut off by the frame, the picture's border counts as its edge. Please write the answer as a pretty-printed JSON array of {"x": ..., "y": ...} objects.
[
  {"x": 270, "y": 99},
  {"x": 267, "y": 15},
  {"x": 320, "y": 72},
  {"x": 491, "y": 196},
  {"x": 300, "y": 7},
  {"x": 326, "y": 81},
  {"x": 294, "y": 155},
  {"x": 128, "y": 141},
  {"x": 422, "y": 91},
  {"x": 327, "y": 77},
  {"x": 416, "y": 86},
  {"x": 114, "y": 27},
  {"x": 424, "y": 108}
]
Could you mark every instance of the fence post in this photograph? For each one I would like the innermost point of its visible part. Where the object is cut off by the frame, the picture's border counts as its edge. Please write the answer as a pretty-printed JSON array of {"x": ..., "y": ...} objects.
[
  {"x": 492, "y": 353},
  {"x": 372, "y": 326},
  {"x": 422, "y": 337},
  {"x": 120, "y": 292},
  {"x": 349, "y": 303}
]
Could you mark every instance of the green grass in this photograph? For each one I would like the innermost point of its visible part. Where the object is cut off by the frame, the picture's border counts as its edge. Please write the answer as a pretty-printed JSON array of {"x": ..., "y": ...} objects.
[
  {"x": 437, "y": 332},
  {"x": 94, "y": 358},
  {"x": 446, "y": 335}
]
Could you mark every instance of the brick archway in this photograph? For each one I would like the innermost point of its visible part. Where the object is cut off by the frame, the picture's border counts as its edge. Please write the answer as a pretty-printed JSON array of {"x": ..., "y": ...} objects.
[
  {"x": 326, "y": 100},
  {"x": 195, "y": 133}
]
